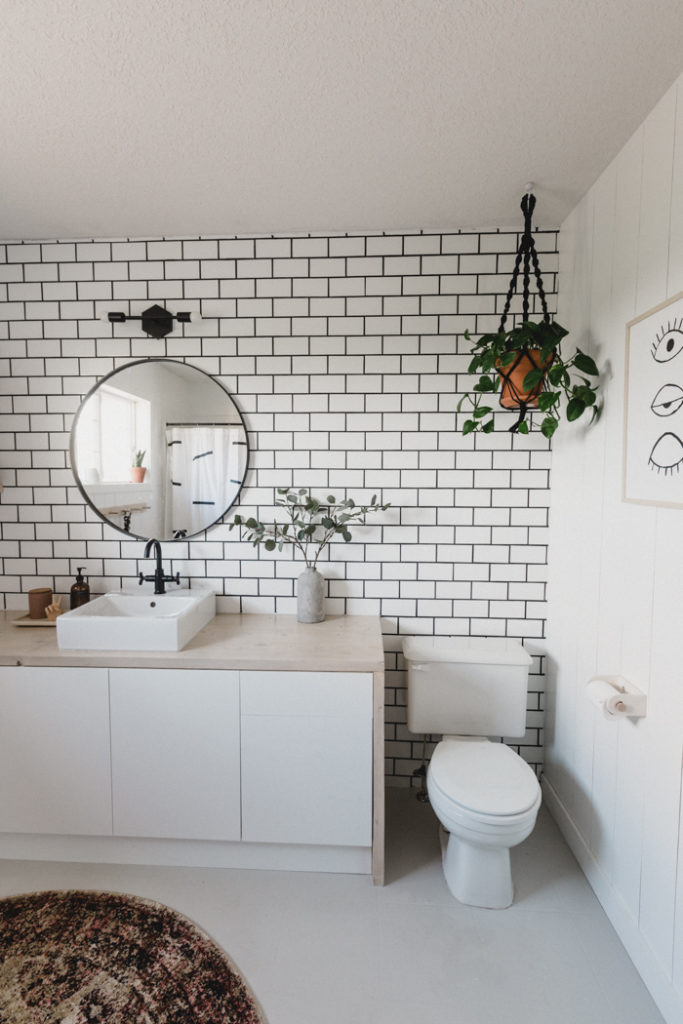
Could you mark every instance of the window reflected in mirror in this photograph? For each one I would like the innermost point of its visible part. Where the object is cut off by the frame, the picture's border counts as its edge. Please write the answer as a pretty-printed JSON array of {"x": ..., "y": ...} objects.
[{"x": 114, "y": 427}]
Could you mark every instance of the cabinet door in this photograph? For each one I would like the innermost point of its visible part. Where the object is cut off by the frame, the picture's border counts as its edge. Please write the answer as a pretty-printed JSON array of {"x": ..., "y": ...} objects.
[
  {"x": 54, "y": 751},
  {"x": 307, "y": 757},
  {"x": 175, "y": 753}
]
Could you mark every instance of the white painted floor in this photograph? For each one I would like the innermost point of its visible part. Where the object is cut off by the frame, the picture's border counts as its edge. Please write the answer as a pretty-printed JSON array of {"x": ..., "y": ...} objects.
[{"x": 333, "y": 949}]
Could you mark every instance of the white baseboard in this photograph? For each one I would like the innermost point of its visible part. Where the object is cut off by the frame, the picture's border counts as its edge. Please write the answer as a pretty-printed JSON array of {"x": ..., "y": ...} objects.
[
  {"x": 668, "y": 1000},
  {"x": 187, "y": 853}
]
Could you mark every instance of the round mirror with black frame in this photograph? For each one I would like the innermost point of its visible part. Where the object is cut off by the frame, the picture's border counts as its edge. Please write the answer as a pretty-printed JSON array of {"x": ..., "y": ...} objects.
[{"x": 159, "y": 449}]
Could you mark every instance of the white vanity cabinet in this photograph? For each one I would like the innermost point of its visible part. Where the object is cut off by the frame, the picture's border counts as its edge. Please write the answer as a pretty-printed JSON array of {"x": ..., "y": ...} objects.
[
  {"x": 54, "y": 751},
  {"x": 307, "y": 757},
  {"x": 175, "y": 753},
  {"x": 258, "y": 745}
]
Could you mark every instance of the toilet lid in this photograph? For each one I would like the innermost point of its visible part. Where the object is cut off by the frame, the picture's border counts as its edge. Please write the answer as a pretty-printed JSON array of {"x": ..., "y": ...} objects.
[{"x": 487, "y": 778}]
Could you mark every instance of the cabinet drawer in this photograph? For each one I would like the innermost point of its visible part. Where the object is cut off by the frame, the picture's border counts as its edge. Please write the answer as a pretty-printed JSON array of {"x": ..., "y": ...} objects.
[{"x": 306, "y": 693}]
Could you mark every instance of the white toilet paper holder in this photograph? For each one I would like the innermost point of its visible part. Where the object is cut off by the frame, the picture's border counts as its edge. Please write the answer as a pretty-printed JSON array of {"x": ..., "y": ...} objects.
[{"x": 631, "y": 702}]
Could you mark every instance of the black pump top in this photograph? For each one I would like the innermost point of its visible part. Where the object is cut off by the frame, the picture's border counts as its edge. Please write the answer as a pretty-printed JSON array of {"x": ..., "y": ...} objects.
[{"x": 79, "y": 574}]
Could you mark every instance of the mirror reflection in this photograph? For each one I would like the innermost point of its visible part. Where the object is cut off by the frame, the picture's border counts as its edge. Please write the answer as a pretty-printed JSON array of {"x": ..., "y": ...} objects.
[{"x": 159, "y": 449}]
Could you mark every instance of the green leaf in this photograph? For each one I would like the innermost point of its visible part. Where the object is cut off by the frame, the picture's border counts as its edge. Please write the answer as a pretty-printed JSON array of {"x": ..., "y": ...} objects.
[
  {"x": 468, "y": 426},
  {"x": 586, "y": 394},
  {"x": 523, "y": 428},
  {"x": 549, "y": 426},
  {"x": 558, "y": 330},
  {"x": 481, "y": 411},
  {"x": 585, "y": 364},
  {"x": 555, "y": 374},
  {"x": 532, "y": 378},
  {"x": 507, "y": 358},
  {"x": 575, "y": 408},
  {"x": 487, "y": 427},
  {"x": 547, "y": 399},
  {"x": 346, "y": 535},
  {"x": 270, "y": 544}
]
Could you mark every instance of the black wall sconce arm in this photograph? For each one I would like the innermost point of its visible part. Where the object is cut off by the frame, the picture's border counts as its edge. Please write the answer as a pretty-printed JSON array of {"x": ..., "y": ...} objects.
[{"x": 156, "y": 321}]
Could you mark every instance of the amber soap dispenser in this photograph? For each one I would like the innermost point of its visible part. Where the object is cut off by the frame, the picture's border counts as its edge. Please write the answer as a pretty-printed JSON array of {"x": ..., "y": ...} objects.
[{"x": 80, "y": 591}]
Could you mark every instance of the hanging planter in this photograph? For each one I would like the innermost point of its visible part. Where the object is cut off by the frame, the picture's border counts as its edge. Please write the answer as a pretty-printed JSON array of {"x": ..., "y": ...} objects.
[
  {"x": 512, "y": 391},
  {"x": 526, "y": 362}
]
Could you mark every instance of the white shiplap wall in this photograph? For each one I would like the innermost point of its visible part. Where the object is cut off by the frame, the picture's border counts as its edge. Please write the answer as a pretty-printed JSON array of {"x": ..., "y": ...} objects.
[
  {"x": 616, "y": 571},
  {"x": 347, "y": 357}
]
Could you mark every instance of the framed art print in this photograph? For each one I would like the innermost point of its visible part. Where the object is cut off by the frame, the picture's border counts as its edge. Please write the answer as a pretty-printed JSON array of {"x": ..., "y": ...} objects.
[{"x": 653, "y": 424}]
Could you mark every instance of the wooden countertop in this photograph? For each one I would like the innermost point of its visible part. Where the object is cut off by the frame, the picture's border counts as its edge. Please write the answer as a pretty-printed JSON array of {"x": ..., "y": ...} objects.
[{"x": 342, "y": 643}]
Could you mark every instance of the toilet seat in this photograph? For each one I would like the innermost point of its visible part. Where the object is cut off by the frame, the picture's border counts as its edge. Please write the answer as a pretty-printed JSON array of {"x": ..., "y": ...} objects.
[{"x": 484, "y": 785}]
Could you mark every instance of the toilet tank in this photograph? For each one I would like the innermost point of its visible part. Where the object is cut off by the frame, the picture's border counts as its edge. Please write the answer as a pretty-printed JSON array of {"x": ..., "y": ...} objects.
[{"x": 466, "y": 686}]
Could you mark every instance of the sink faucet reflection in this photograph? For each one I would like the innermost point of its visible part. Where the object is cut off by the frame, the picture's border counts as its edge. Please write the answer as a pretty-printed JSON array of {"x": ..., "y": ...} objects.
[{"x": 159, "y": 578}]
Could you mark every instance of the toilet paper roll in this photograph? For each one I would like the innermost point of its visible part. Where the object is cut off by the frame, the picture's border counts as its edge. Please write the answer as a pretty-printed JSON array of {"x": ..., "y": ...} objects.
[{"x": 605, "y": 696}]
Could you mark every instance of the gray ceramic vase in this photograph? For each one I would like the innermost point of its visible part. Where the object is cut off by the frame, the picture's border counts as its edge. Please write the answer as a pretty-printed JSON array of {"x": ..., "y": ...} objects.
[{"x": 310, "y": 596}]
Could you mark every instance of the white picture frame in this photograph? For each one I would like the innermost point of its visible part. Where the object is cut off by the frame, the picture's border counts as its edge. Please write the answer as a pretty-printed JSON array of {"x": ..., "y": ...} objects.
[{"x": 653, "y": 407}]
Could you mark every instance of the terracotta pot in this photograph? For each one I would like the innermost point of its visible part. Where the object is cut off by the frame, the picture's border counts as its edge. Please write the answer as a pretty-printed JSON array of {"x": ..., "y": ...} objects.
[
  {"x": 137, "y": 474},
  {"x": 512, "y": 377}
]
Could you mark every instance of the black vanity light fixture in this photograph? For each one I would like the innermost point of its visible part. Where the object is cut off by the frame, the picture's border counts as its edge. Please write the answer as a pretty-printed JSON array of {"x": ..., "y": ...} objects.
[{"x": 157, "y": 322}]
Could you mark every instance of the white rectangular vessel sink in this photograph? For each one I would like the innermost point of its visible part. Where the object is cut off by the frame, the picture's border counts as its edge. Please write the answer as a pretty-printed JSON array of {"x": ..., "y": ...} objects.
[{"x": 124, "y": 621}]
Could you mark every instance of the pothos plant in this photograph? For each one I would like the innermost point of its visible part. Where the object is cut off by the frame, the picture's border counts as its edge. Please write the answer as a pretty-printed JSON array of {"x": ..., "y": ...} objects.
[
  {"x": 311, "y": 524},
  {"x": 549, "y": 379}
]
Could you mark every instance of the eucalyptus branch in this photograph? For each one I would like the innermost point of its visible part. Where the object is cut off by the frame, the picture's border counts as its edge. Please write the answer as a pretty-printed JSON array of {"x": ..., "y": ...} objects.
[{"x": 313, "y": 523}]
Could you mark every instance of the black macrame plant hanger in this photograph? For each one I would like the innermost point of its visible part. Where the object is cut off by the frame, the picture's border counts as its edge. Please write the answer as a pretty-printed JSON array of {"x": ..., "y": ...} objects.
[{"x": 526, "y": 252}]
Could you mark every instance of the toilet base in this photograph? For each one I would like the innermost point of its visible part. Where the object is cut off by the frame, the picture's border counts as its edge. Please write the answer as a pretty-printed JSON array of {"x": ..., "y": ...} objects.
[{"x": 479, "y": 876}]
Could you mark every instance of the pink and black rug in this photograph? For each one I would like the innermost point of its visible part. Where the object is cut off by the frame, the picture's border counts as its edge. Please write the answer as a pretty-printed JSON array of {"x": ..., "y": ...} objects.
[{"x": 106, "y": 958}]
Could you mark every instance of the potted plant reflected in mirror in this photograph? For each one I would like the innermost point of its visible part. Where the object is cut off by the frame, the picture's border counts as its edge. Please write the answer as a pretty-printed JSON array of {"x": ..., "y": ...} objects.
[
  {"x": 137, "y": 470},
  {"x": 527, "y": 365},
  {"x": 311, "y": 525}
]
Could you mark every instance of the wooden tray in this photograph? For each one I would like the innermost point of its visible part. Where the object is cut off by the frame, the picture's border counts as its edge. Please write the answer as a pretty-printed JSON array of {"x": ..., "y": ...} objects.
[{"x": 26, "y": 620}]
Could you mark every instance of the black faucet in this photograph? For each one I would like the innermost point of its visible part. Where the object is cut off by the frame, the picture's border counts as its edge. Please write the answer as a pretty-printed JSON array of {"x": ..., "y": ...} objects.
[{"x": 159, "y": 578}]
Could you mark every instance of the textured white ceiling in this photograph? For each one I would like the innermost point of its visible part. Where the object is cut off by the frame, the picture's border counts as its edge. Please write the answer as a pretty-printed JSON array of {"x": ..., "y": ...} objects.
[{"x": 175, "y": 117}]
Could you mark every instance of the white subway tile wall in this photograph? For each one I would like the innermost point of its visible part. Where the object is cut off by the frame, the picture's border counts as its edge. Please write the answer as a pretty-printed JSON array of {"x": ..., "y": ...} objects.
[{"x": 347, "y": 358}]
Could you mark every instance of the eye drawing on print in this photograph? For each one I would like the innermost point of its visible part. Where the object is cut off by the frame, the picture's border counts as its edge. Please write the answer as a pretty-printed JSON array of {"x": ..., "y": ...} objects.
[
  {"x": 667, "y": 452},
  {"x": 653, "y": 457}
]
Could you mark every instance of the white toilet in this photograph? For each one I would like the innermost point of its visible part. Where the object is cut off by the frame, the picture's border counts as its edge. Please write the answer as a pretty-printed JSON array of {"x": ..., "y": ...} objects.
[{"x": 485, "y": 796}]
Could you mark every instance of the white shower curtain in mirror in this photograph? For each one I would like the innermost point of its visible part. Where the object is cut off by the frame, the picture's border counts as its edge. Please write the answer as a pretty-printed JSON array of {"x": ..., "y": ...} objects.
[{"x": 205, "y": 465}]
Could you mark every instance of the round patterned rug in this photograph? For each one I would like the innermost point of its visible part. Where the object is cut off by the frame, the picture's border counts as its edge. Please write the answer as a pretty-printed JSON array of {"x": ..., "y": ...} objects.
[{"x": 96, "y": 957}]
